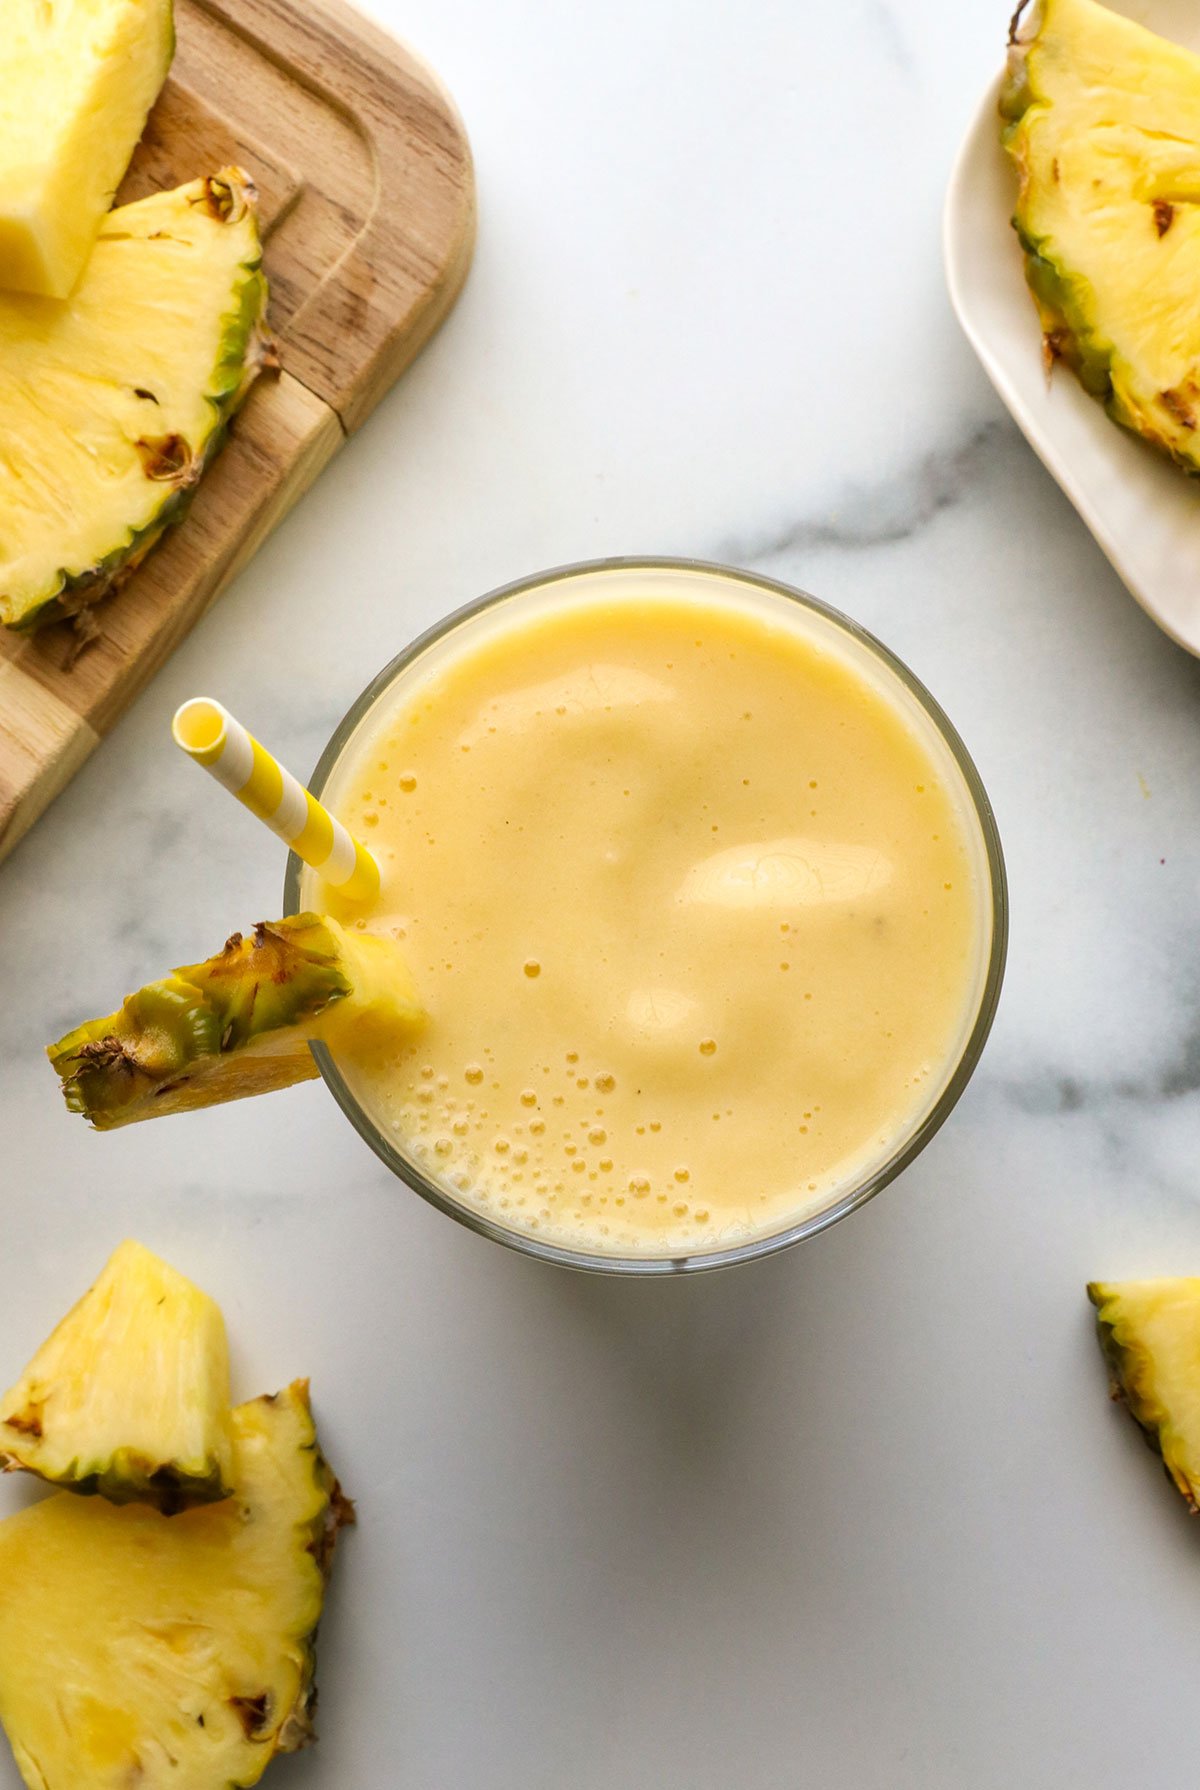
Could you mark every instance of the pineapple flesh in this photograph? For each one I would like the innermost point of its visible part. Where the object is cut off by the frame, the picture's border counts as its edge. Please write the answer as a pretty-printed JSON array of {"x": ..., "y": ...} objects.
[
  {"x": 77, "y": 78},
  {"x": 141, "y": 1649},
  {"x": 1150, "y": 1334},
  {"x": 112, "y": 404},
  {"x": 130, "y": 1395},
  {"x": 238, "y": 1024},
  {"x": 1102, "y": 120}
]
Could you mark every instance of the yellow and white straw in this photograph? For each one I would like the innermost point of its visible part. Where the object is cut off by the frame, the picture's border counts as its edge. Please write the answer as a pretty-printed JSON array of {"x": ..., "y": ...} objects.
[{"x": 208, "y": 733}]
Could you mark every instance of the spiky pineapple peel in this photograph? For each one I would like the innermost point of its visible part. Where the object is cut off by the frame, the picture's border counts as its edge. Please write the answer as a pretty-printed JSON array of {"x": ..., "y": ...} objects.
[
  {"x": 239, "y": 1023},
  {"x": 113, "y": 404}
]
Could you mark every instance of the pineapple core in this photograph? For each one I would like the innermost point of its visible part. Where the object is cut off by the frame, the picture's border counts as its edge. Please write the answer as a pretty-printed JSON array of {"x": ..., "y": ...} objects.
[
  {"x": 130, "y": 1395},
  {"x": 77, "y": 78}
]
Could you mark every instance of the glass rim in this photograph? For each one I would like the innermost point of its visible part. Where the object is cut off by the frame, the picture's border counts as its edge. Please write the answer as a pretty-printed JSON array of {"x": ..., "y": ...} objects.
[{"x": 771, "y": 1243}]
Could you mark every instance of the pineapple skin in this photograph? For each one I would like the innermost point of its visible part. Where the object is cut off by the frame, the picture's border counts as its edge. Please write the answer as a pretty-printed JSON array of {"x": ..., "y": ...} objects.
[
  {"x": 236, "y": 1025},
  {"x": 142, "y": 1355},
  {"x": 133, "y": 1478},
  {"x": 1061, "y": 301},
  {"x": 1124, "y": 1312},
  {"x": 1071, "y": 329},
  {"x": 246, "y": 349},
  {"x": 173, "y": 1652}
]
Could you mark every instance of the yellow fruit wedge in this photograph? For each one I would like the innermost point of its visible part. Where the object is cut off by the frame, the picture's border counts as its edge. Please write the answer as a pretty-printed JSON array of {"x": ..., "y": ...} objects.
[
  {"x": 129, "y": 1397},
  {"x": 1102, "y": 121},
  {"x": 172, "y": 1653},
  {"x": 238, "y": 1024},
  {"x": 113, "y": 404},
  {"x": 1150, "y": 1334},
  {"x": 77, "y": 78}
]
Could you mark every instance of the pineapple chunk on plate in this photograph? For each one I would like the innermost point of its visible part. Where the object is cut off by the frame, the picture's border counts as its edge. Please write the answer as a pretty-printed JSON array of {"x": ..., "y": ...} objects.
[
  {"x": 237, "y": 1024},
  {"x": 141, "y": 1649},
  {"x": 1141, "y": 512},
  {"x": 1102, "y": 121},
  {"x": 113, "y": 404},
  {"x": 129, "y": 1396},
  {"x": 1150, "y": 1334},
  {"x": 78, "y": 78}
]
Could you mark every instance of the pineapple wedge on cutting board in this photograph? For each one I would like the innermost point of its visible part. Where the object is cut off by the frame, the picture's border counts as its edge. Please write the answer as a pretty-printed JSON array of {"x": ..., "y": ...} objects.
[
  {"x": 112, "y": 404},
  {"x": 77, "y": 79},
  {"x": 1102, "y": 121}
]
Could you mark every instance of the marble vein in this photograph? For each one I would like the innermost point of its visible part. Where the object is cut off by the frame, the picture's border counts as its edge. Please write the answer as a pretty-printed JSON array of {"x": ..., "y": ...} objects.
[
  {"x": 1053, "y": 1090},
  {"x": 868, "y": 515}
]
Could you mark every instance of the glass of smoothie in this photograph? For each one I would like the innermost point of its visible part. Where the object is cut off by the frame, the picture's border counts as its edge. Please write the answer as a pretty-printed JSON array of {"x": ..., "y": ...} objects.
[{"x": 704, "y": 898}]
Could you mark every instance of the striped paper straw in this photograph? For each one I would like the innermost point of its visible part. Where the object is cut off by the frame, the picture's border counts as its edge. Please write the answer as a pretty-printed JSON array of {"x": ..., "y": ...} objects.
[{"x": 208, "y": 733}]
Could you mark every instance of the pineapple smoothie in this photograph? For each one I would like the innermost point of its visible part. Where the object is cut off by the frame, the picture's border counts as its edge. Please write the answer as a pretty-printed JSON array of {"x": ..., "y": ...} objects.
[{"x": 698, "y": 905}]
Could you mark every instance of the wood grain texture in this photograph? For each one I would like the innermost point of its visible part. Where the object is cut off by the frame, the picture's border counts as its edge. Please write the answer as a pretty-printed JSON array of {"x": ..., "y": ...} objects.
[{"x": 367, "y": 206}]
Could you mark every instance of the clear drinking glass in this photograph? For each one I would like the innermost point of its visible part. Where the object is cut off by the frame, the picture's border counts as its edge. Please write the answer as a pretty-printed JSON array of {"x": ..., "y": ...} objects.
[{"x": 698, "y": 579}]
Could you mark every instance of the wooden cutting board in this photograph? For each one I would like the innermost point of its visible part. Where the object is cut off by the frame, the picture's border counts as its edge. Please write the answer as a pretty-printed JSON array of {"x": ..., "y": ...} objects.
[{"x": 368, "y": 211}]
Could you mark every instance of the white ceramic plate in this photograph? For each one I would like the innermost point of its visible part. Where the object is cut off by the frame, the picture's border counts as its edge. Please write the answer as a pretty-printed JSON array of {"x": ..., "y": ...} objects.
[{"x": 1144, "y": 512}]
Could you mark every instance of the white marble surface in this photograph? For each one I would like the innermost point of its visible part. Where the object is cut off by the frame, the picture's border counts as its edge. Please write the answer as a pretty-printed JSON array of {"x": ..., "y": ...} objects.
[{"x": 860, "y": 1515}]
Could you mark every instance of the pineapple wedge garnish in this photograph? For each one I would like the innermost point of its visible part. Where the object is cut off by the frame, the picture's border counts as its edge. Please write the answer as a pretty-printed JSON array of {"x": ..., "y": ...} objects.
[
  {"x": 78, "y": 78},
  {"x": 1150, "y": 1334},
  {"x": 129, "y": 1397},
  {"x": 1102, "y": 119},
  {"x": 238, "y": 1024},
  {"x": 138, "y": 1649},
  {"x": 112, "y": 405}
]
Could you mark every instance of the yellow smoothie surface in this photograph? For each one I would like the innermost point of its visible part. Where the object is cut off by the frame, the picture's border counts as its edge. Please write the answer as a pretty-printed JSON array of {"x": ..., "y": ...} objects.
[{"x": 697, "y": 910}]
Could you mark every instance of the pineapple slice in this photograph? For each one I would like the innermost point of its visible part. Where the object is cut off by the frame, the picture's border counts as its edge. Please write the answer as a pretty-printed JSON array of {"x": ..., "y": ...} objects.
[
  {"x": 1103, "y": 123},
  {"x": 112, "y": 405},
  {"x": 130, "y": 1395},
  {"x": 78, "y": 78},
  {"x": 141, "y": 1649},
  {"x": 1150, "y": 1334},
  {"x": 238, "y": 1024}
]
